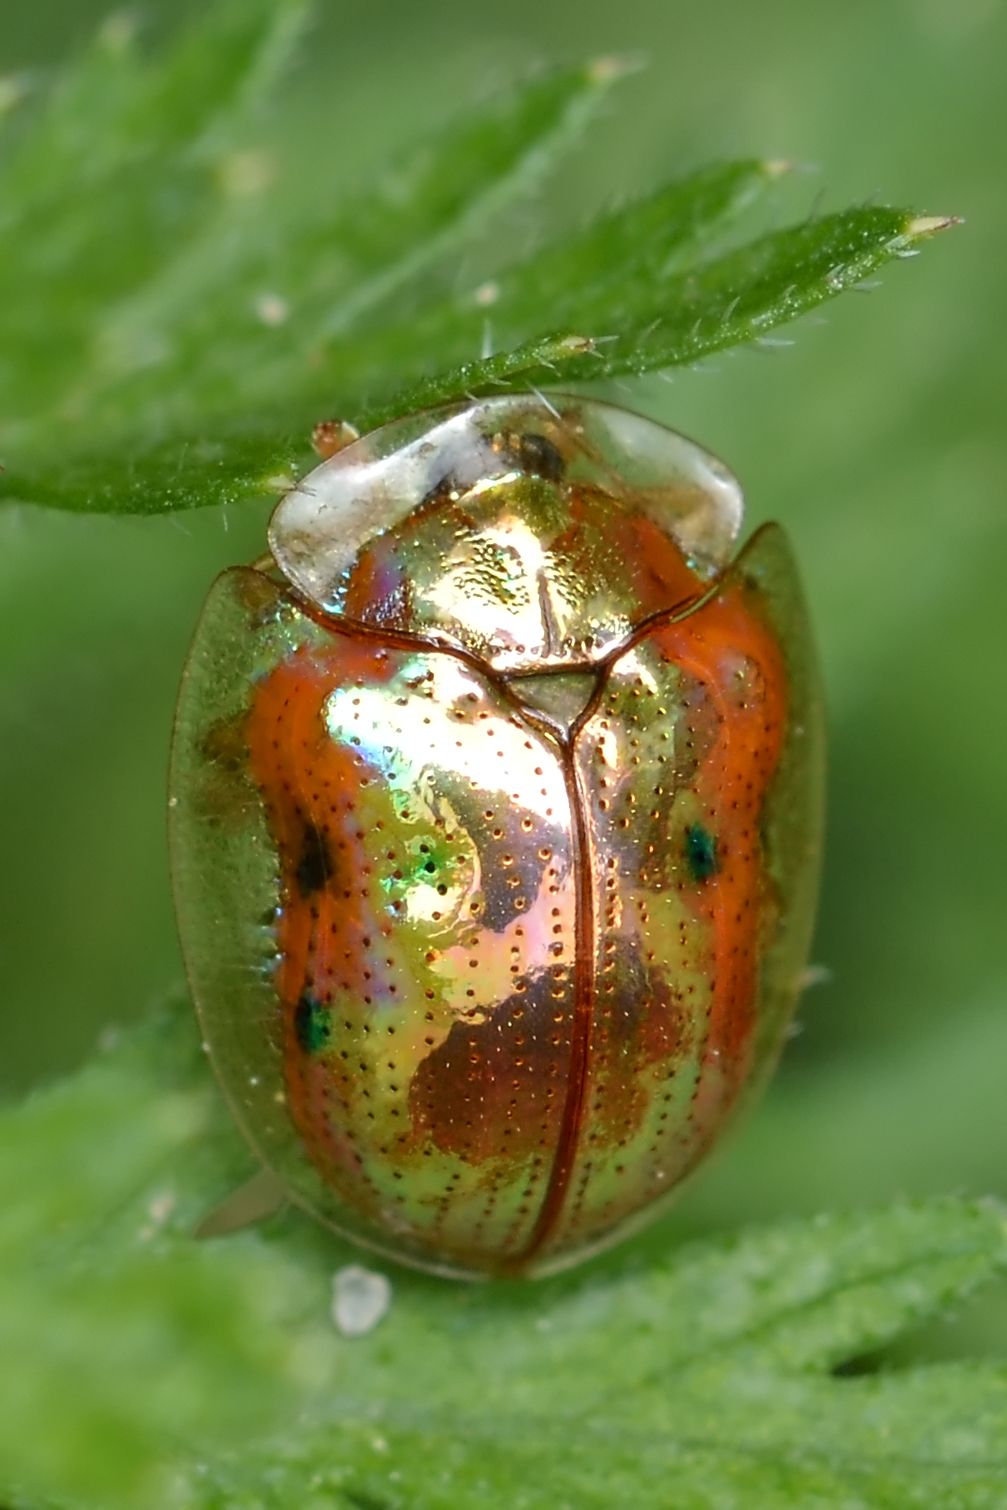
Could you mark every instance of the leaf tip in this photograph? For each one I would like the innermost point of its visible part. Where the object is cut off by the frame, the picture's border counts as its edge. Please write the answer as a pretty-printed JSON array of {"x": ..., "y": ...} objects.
[
  {"x": 777, "y": 167},
  {"x": 575, "y": 346},
  {"x": 922, "y": 226}
]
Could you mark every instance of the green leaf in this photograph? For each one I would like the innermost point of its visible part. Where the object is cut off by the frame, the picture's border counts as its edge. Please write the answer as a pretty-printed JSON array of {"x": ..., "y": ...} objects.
[
  {"x": 644, "y": 311},
  {"x": 158, "y": 349},
  {"x": 120, "y": 164},
  {"x": 139, "y": 1366},
  {"x": 330, "y": 263},
  {"x": 175, "y": 317}
]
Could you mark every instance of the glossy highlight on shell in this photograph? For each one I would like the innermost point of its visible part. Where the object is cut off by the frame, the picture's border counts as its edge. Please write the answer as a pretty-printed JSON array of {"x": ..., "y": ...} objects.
[{"x": 496, "y": 820}]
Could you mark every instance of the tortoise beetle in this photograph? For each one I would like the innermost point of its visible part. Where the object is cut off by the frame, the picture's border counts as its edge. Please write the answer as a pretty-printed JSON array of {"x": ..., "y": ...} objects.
[{"x": 496, "y": 816}]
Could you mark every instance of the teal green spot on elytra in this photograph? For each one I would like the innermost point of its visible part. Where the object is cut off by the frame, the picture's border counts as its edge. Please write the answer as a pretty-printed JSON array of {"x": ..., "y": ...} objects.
[
  {"x": 700, "y": 852},
  {"x": 312, "y": 1025}
]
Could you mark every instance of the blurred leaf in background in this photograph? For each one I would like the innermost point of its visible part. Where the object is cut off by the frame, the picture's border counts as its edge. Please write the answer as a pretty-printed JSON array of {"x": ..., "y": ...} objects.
[{"x": 878, "y": 440}]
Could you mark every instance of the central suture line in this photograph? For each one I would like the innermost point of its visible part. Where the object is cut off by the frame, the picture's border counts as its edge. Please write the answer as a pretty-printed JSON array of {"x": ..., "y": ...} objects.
[{"x": 583, "y": 1016}]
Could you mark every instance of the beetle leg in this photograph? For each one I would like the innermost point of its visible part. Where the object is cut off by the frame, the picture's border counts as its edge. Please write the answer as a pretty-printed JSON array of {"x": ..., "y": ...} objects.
[
  {"x": 261, "y": 1196},
  {"x": 331, "y": 436}
]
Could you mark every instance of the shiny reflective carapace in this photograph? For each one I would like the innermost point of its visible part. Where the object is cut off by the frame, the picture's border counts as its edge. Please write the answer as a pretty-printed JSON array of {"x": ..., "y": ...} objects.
[{"x": 496, "y": 819}]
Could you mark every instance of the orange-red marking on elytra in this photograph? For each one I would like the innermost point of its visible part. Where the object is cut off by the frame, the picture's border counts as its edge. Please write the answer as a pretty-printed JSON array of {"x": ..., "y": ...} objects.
[{"x": 734, "y": 655}]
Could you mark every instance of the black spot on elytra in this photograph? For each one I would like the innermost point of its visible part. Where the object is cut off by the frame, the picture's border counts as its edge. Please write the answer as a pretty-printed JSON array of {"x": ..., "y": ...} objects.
[
  {"x": 315, "y": 865},
  {"x": 701, "y": 852},
  {"x": 535, "y": 454},
  {"x": 312, "y": 1025}
]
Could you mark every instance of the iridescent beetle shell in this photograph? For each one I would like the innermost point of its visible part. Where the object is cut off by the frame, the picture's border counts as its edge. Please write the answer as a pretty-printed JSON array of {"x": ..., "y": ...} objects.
[{"x": 496, "y": 818}]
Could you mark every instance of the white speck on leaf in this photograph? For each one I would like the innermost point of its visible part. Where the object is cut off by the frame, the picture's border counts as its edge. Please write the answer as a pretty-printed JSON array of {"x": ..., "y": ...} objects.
[
  {"x": 13, "y": 88},
  {"x": 271, "y": 309},
  {"x": 245, "y": 173},
  {"x": 360, "y": 1298},
  {"x": 161, "y": 1207},
  {"x": 118, "y": 32}
]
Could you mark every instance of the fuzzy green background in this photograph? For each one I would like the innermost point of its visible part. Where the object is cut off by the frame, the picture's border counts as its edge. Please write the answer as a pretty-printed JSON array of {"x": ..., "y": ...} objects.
[{"x": 879, "y": 438}]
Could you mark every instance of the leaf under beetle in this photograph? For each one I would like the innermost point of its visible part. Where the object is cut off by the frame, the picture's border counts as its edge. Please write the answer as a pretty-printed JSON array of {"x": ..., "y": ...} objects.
[
  {"x": 206, "y": 322},
  {"x": 210, "y": 1373}
]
